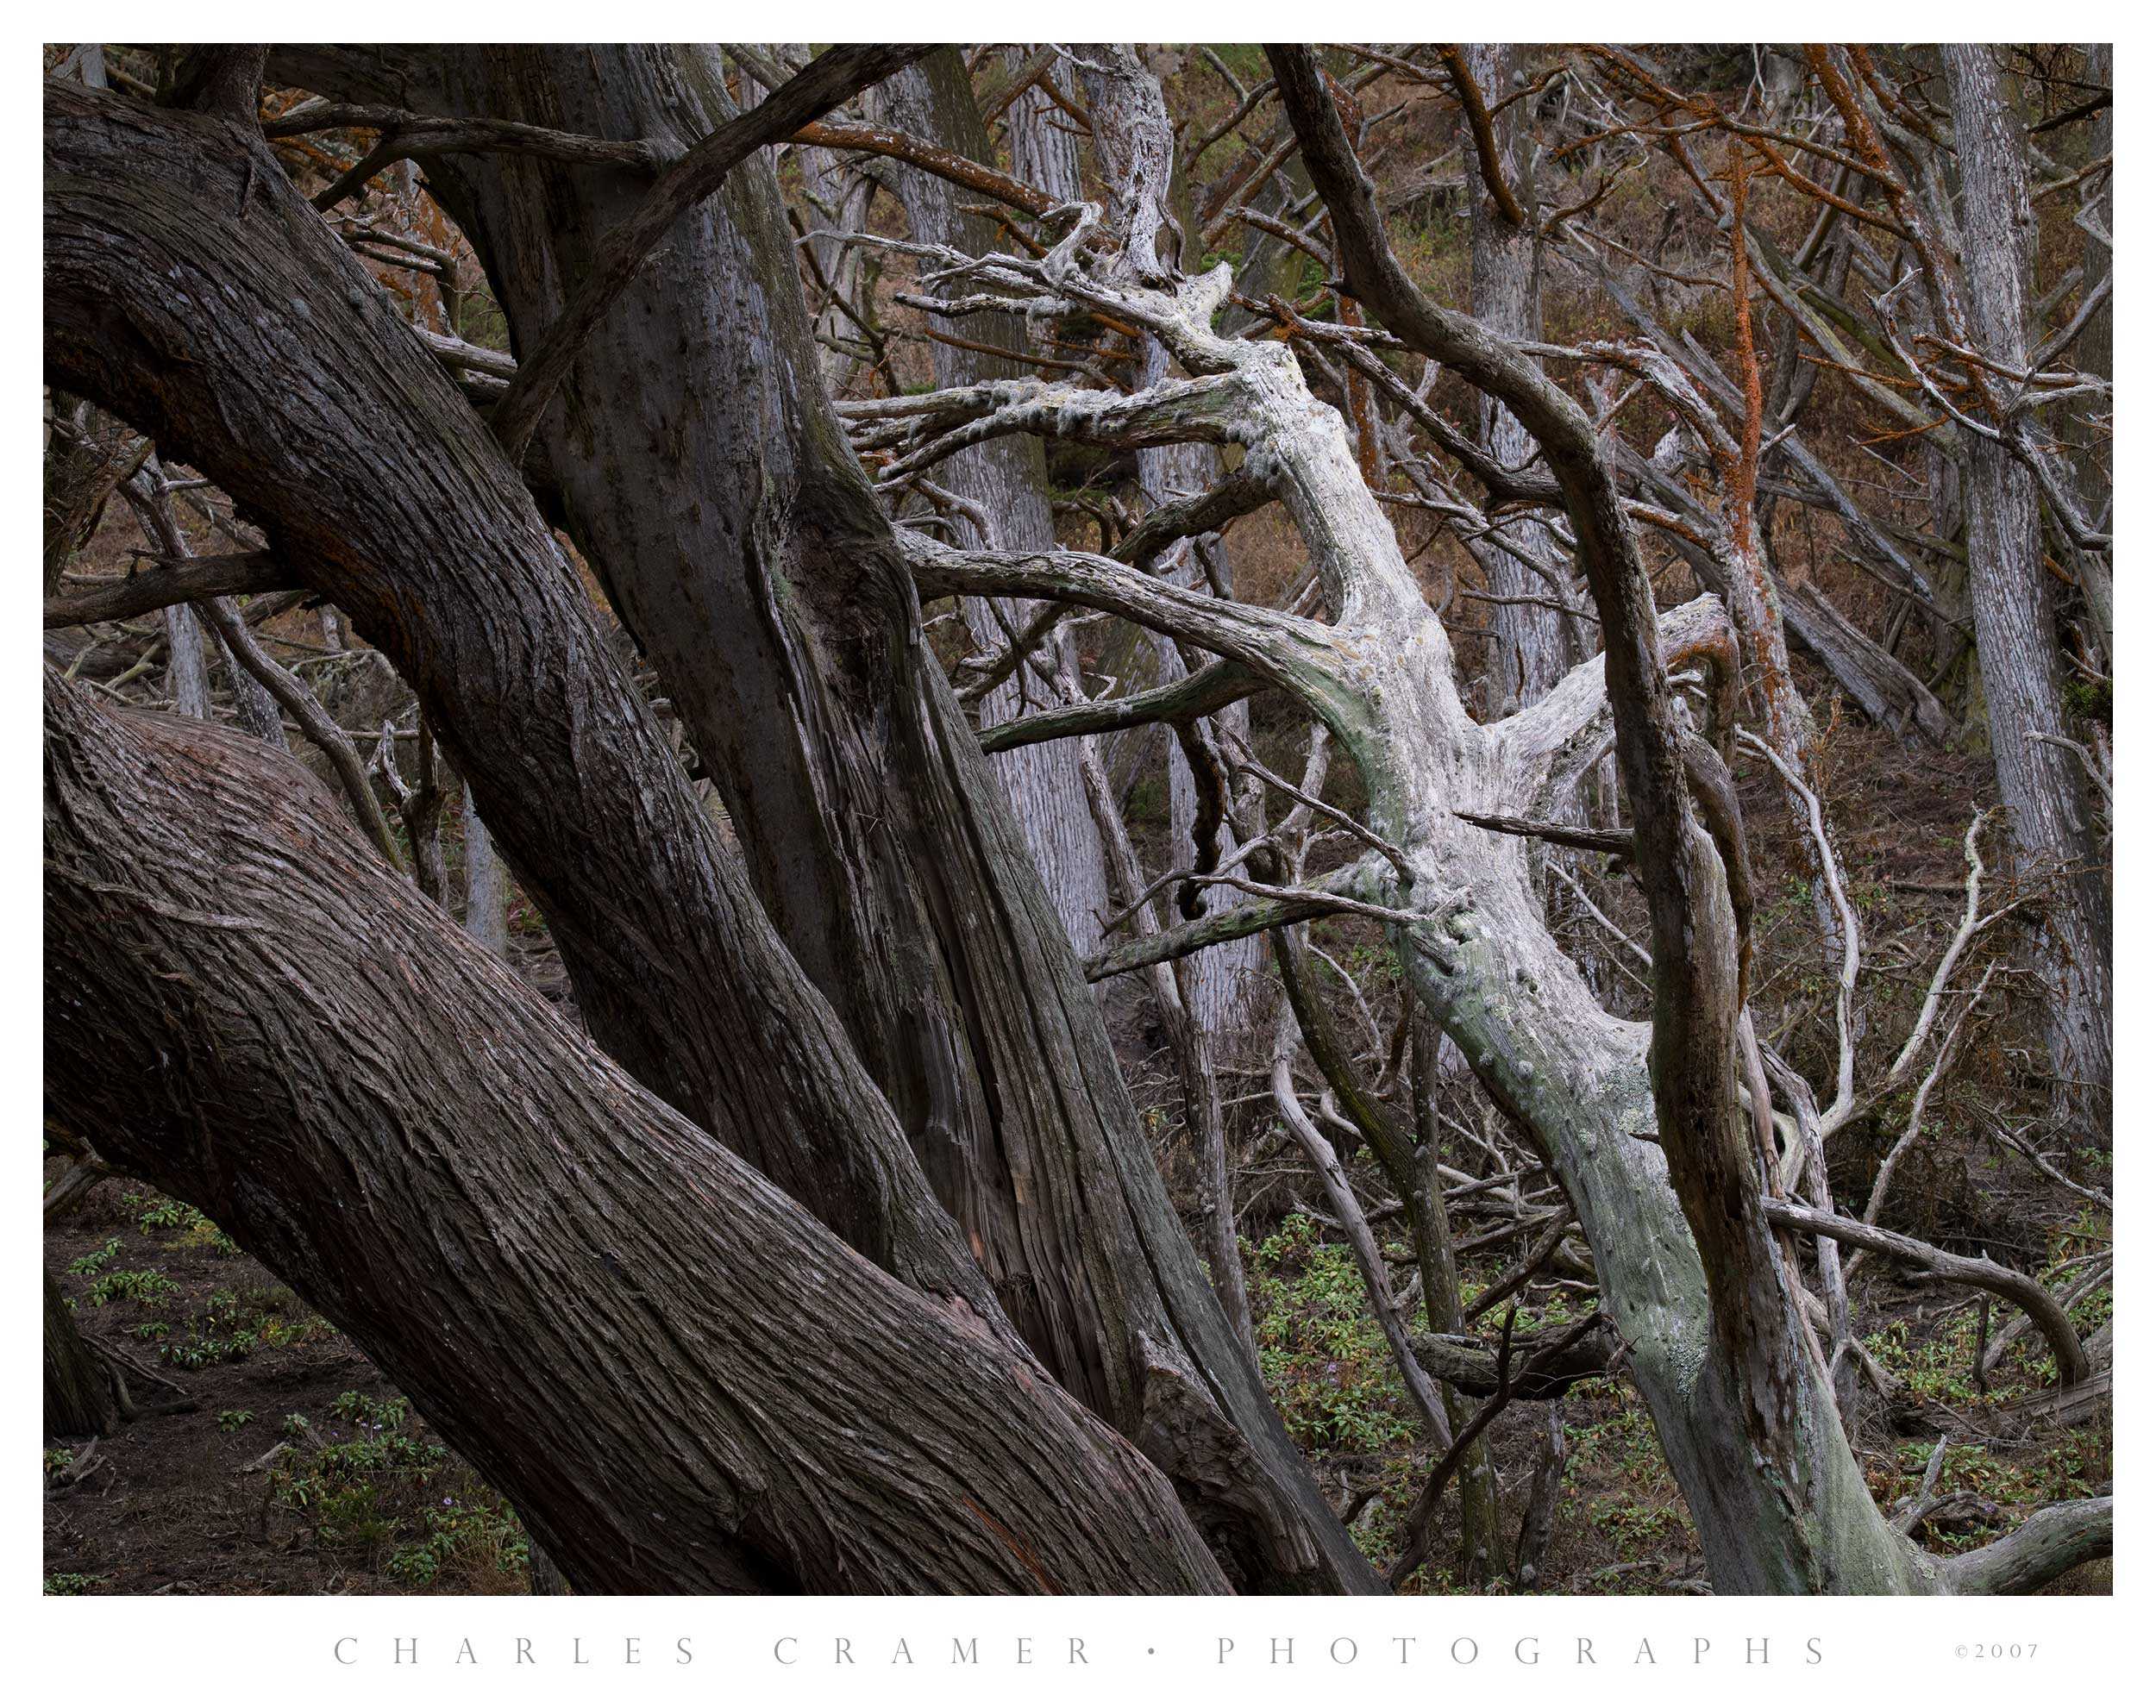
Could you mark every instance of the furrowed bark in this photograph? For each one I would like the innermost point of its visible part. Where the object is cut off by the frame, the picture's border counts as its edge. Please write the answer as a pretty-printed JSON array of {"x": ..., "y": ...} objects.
[
  {"x": 785, "y": 629},
  {"x": 78, "y": 1400},
  {"x": 1136, "y": 148},
  {"x": 335, "y": 431},
  {"x": 708, "y": 1392},
  {"x": 2010, "y": 603},
  {"x": 830, "y": 78}
]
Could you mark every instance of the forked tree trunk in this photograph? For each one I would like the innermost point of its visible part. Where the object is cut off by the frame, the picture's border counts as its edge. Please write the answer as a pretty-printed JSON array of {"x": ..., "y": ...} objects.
[
  {"x": 962, "y": 994},
  {"x": 684, "y": 1382},
  {"x": 347, "y": 446},
  {"x": 1686, "y": 1263},
  {"x": 1643, "y": 1125}
]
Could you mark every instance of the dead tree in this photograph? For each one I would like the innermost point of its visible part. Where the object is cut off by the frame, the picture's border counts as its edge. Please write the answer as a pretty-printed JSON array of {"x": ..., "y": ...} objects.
[
  {"x": 791, "y": 1124},
  {"x": 1714, "y": 1336}
]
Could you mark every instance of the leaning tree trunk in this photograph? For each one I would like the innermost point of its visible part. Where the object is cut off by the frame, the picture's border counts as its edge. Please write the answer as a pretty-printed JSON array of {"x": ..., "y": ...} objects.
[
  {"x": 78, "y": 1397},
  {"x": 346, "y": 444},
  {"x": 685, "y": 1383},
  {"x": 784, "y": 626},
  {"x": 2040, "y": 780},
  {"x": 1686, "y": 1260},
  {"x": 1643, "y": 1125}
]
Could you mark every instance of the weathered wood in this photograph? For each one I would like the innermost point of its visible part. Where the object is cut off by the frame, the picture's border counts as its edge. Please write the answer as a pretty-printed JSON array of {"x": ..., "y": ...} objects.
[
  {"x": 2030, "y": 1294},
  {"x": 684, "y": 1382},
  {"x": 1533, "y": 645},
  {"x": 785, "y": 629},
  {"x": 1005, "y": 483},
  {"x": 2010, "y": 601},
  {"x": 362, "y": 463}
]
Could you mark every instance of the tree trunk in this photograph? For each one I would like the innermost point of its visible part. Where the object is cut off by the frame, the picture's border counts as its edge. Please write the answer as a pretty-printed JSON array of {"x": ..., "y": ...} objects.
[
  {"x": 485, "y": 885},
  {"x": 1533, "y": 645},
  {"x": 1005, "y": 481},
  {"x": 961, "y": 990},
  {"x": 77, "y": 1398},
  {"x": 685, "y": 1383},
  {"x": 2042, "y": 784},
  {"x": 1226, "y": 982},
  {"x": 347, "y": 446},
  {"x": 2092, "y": 354},
  {"x": 186, "y": 662}
]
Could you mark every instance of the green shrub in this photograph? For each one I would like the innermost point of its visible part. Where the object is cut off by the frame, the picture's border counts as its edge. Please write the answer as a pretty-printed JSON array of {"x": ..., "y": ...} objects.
[
  {"x": 92, "y": 1262},
  {"x": 1320, "y": 1350}
]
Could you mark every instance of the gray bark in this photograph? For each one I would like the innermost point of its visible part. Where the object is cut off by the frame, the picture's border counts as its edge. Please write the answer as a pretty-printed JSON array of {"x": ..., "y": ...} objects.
[
  {"x": 187, "y": 662},
  {"x": 2042, "y": 784},
  {"x": 2092, "y": 354},
  {"x": 1533, "y": 645},
  {"x": 785, "y": 631},
  {"x": 1226, "y": 982},
  {"x": 1043, "y": 147},
  {"x": 153, "y": 506},
  {"x": 486, "y": 884},
  {"x": 1006, "y": 482},
  {"x": 1690, "y": 1269}
]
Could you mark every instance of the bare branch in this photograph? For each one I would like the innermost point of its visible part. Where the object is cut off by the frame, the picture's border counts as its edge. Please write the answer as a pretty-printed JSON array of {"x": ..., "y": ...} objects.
[
  {"x": 2031, "y": 1296},
  {"x": 833, "y": 77},
  {"x": 174, "y": 581},
  {"x": 1203, "y": 691}
]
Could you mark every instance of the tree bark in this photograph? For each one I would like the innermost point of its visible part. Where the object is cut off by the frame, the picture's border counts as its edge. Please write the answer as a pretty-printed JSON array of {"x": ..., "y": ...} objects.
[
  {"x": 684, "y": 1382},
  {"x": 1006, "y": 482},
  {"x": 485, "y": 885},
  {"x": 961, "y": 993},
  {"x": 1533, "y": 646},
  {"x": 78, "y": 1399},
  {"x": 2042, "y": 782},
  {"x": 349, "y": 446}
]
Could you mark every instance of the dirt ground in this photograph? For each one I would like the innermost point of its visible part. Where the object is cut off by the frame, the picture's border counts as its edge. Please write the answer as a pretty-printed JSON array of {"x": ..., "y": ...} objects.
[{"x": 181, "y": 1502}]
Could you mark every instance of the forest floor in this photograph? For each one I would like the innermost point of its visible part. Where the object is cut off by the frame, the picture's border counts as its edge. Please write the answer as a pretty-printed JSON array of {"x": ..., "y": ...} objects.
[
  {"x": 296, "y": 1469},
  {"x": 300, "y": 1470}
]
